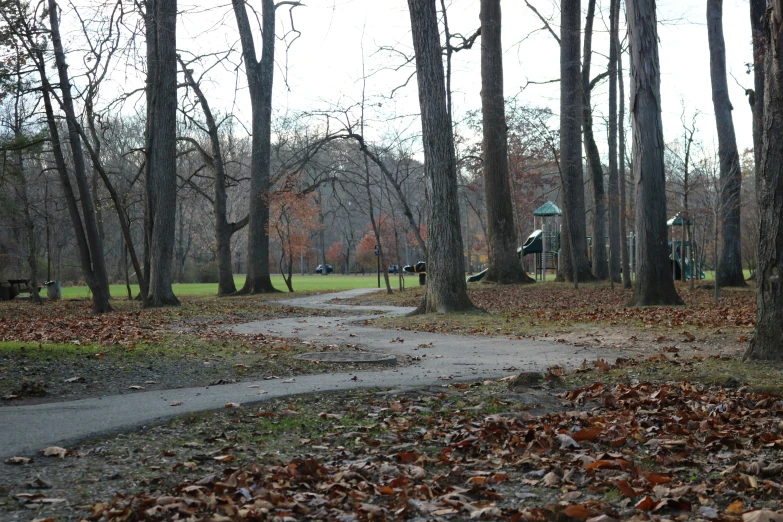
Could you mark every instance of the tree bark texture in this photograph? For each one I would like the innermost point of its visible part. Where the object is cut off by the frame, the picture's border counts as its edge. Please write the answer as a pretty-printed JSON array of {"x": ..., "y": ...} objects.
[
  {"x": 93, "y": 263},
  {"x": 756, "y": 98},
  {"x": 654, "y": 283},
  {"x": 624, "y": 253},
  {"x": 574, "y": 230},
  {"x": 600, "y": 266},
  {"x": 768, "y": 341},
  {"x": 614, "y": 193},
  {"x": 504, "y": 265},
  {"x": 446, "y": 288},
  {"x": 163, "y": 156},
  {"x": 260, "y": 77},
  {"x": 730, "y": 271},
  {"x": 150, "y": 31}
]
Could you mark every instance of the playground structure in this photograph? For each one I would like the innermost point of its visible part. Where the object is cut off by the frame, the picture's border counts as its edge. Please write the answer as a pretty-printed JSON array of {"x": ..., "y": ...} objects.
[
  {"x": 544, "y": 245},
  {"x": 544, "y": 242},
  {"x": 681, "y": 252}
]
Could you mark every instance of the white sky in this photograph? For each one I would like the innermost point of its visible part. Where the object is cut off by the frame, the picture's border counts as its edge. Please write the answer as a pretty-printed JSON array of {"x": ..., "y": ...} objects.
[{"x": 325, "y": 64}]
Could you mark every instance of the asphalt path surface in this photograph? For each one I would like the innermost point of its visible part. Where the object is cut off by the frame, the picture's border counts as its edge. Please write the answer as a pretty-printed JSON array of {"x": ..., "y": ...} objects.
[{"x": 427, "y": 359}]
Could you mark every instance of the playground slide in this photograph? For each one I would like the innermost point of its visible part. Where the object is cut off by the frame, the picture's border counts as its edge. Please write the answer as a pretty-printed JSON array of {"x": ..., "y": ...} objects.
[{"x": 477, "y": 277}]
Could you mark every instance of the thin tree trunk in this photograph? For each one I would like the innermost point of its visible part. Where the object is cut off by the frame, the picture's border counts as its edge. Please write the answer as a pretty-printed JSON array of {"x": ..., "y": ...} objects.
[
  {"x": 504, "y": 265},
  {"x": 260, "y": 76},
  {"x": 614, "y": 194},
  {"x": 406, "y": 210},
  {"x": 654, "y": 284},
  {"x": 93, "y": 263},
  {"x": 150, "y": 32},
  {"x": 446, "y": 290},
  {"x": 625, "y": 255},
  {"x": 730, "y": 174},
  {"x": 574, "y": 228},
  {"x": 600, "y": 266}
]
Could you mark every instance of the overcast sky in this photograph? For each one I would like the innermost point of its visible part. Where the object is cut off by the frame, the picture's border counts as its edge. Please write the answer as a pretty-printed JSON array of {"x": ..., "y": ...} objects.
[{"x": 323, "y": 67}]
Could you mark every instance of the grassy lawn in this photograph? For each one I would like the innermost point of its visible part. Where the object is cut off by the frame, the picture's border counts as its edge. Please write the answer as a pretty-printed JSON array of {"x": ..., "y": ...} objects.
[{"x": 306, "y": 282}]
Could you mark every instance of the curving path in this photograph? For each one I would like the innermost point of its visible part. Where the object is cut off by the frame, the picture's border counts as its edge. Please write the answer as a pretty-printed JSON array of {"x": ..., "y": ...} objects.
[{"x": 26, "y": 429}]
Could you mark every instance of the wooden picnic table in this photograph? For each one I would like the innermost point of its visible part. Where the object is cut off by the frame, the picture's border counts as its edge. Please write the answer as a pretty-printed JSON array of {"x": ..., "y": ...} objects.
[{"x": 13, "y": 287}]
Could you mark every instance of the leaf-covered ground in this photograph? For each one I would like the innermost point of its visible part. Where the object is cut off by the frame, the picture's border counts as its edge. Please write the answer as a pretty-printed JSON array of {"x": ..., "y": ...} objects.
[
  {"x": 60, "y": 351},
  {"x": 594, "y": 315},
  {"x": 596, "y": 443}
]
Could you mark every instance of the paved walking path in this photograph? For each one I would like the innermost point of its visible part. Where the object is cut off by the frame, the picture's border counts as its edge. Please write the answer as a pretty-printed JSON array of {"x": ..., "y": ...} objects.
[{"x": 26, "y": 429}]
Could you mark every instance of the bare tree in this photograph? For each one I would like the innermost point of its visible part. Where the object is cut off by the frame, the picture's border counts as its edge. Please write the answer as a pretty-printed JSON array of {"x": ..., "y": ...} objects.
[
  {"x": 504, "y": 266},
  {"x": 446, "y": 288},
  {"x": 730, "y": 273},
  {"x": 223, "y": 229},
  {"x": 260, "y": 78},
  {"x": 654, "y": 284},
  {"x": 93, "y": 262},
  {"x": 768, "y": 341}
]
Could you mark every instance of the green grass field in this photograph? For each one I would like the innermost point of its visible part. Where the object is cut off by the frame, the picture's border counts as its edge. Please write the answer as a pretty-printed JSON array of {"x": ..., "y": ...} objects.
[{"x": 307, "y": 282}]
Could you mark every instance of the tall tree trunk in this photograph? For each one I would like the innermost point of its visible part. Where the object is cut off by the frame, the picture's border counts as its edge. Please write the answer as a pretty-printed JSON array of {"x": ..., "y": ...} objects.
[
  {"x": 163, "y": 163},
  {"x": 600, "y": 261},
  {"x": 93, "y": 263},
  {"x": 768, "y": 342},
  {"x": 446, "y": 288},
  {"x": 150, "y": 31},
  {"x": 260, "y": 76},
  {"x": 654, "y": 284},
  {"x": 614, "y": 193},
  {"x": 574, "y": 228},
  {"x": 730, "y": 273},
  {"x": 504, "y": 265},
  {"x": 625, "y": 255}
]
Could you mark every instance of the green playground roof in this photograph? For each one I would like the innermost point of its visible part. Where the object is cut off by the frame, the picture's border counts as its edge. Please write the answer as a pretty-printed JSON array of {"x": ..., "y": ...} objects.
[{"x": 548, "y": 209}]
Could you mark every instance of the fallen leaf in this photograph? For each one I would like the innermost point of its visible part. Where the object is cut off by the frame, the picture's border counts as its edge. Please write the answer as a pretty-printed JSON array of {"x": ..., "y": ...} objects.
[
  {"x": 735, "y": 508},
  {"x": 18, "y": 461},
  {"x": 589, "y": 434},
  {"x": 223, "y": 458},
  {"x": 54, "y": 451},
  {"x": 578, "y": 511},
  {"x": 232, "y": 405},
  {"x": 176, "y": 403},
  {"x": 762, "y": 515}
]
